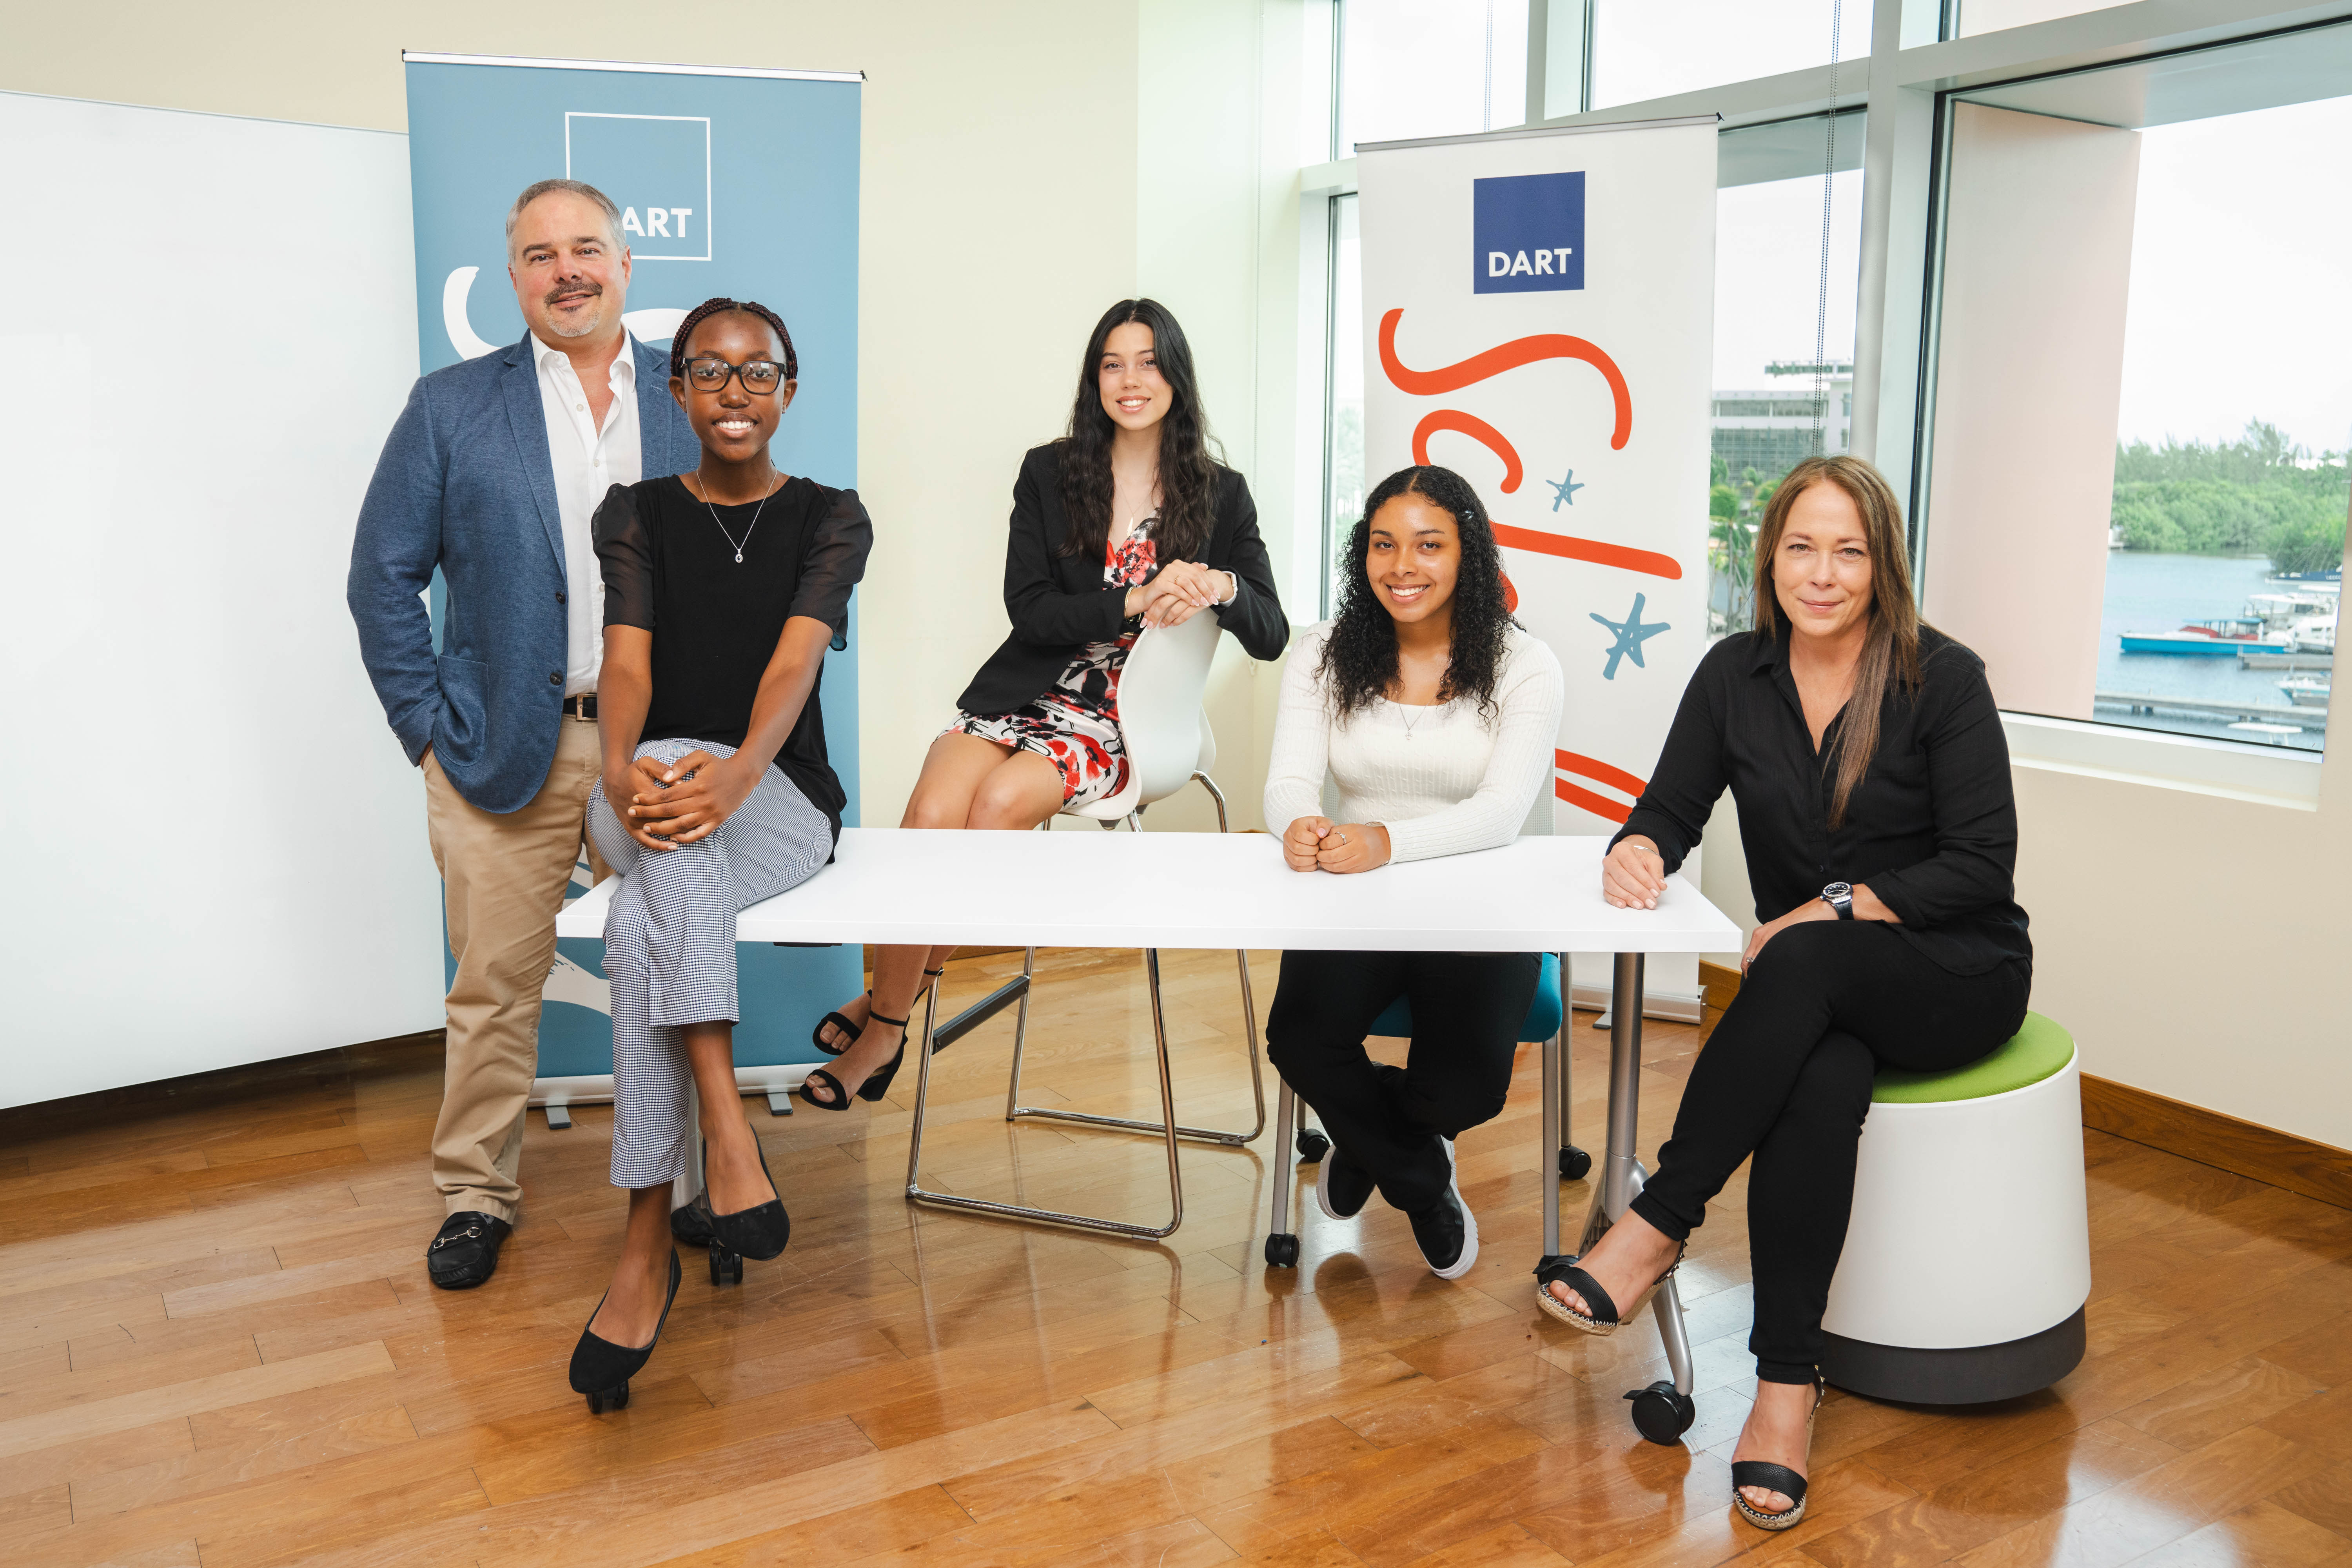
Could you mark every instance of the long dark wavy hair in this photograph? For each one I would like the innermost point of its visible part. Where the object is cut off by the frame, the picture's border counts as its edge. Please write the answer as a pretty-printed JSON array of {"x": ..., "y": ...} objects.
[
  {"x": 1359, "y": 659},
  {"x": 1188, "y": 475}
]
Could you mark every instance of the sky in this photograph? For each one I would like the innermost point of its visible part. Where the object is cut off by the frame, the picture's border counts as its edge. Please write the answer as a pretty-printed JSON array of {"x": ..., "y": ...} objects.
[{"x": 2242, "y": 279}]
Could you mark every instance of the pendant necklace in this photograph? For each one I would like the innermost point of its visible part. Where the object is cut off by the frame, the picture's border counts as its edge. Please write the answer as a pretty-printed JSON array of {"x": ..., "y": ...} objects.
[{"x": 755, "y": 518}]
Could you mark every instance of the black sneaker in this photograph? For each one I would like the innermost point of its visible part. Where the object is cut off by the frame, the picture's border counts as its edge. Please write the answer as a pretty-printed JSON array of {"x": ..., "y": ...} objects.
[
  {"x": 466, "y": 1252},
  {"x": 1344, "y": 1187},
  {"x": 1448, "y": 1231}
]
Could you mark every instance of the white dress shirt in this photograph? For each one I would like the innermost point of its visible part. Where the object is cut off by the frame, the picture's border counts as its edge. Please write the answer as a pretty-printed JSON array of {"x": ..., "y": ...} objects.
[{"x": 588, "y": 461}]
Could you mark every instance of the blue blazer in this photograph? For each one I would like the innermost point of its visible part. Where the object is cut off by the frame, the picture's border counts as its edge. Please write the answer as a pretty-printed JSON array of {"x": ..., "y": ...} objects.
[{"x": 465, "y": 484}]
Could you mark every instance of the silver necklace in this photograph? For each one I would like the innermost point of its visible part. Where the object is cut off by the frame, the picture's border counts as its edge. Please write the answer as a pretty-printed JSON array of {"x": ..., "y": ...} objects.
[
  {"x": 755, "y": 518},
  {"x": 1406, "y": 711}
]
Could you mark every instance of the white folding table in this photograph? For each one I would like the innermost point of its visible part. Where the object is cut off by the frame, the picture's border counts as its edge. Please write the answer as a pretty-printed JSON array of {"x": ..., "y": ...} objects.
[{"x": 1155, "y": 891}]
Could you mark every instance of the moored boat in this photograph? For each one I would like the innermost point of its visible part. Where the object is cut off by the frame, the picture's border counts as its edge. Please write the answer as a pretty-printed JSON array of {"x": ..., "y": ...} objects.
[
  {"x": 2306, "y": 690},
  {"x": 2226, "y": 635}
]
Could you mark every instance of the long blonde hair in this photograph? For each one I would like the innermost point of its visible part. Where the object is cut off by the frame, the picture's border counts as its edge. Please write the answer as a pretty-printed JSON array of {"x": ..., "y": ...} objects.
[{"x": 1890, "y": 648}]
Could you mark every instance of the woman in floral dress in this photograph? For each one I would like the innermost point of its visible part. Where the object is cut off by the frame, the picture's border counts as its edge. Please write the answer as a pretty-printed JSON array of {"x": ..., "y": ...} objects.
[{"x": 1125, "y": 522}]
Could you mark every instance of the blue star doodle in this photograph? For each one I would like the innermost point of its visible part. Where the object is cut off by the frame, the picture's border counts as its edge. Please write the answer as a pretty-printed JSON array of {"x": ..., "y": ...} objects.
[
  {"x": 1564, "y": 489},
  {"x": 1631, "y": 633}
]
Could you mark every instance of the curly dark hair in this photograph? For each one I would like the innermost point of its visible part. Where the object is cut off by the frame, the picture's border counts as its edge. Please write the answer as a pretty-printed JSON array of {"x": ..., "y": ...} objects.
[
  {"x": 1188, "y": 475},
  {"x": 1359, "y": 659},
  {"x": 712, "y": 307}
]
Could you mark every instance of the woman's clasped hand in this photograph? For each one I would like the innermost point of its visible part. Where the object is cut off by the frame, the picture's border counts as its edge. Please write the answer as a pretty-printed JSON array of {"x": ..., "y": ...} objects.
[
  {"x": 679, "y": 802},
  {"x": 1180, "y": 590},
  {"x": 1319, "y": 844}
]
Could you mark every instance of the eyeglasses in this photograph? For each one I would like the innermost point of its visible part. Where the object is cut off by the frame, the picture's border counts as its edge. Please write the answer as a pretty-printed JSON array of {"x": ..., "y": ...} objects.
[{"x": 708, "y": 373}]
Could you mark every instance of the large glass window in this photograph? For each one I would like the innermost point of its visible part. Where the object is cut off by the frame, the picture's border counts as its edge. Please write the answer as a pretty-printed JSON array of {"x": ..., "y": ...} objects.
[
  {"x": 1430, "y": 67},
  {"x": 1343, "y": 436},
  {"x": 1781, "y": 286},
  {"x": 2223, "y": 511},
  {"x": 1650, "y": 49}
]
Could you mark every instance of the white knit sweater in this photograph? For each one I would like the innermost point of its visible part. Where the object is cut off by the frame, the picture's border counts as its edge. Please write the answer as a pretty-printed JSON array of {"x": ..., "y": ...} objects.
[{"x": 1450, "y": 782}]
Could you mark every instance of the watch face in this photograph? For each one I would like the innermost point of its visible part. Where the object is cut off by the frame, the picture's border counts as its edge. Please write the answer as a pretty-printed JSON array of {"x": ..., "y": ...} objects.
[{"x": 1837, "y": 891}]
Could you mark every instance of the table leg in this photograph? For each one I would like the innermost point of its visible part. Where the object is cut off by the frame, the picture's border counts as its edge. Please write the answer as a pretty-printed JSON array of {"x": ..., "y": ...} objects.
[
  {"x": 1167, "y": 1128},
  {"x": 1281, "y": 1241},
  {"x": 1663, "y": 1411}
]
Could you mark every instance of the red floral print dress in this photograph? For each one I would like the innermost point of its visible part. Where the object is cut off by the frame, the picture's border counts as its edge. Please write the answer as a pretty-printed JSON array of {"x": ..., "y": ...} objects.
[{"x": 1074, "y": 725}]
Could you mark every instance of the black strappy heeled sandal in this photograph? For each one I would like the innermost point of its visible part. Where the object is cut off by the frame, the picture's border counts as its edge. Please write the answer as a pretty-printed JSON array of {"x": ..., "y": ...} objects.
[
  {"x": 876, "y": 1084},
  {"x": 1606, "y": 1319},
  {"x": 843, "y": 1022},
  {"x": 1775, "y": 1477}
]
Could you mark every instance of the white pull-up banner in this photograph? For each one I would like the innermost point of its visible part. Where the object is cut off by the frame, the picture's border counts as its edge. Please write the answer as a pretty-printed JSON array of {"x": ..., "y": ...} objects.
[{"x": 1539, "y": 315}]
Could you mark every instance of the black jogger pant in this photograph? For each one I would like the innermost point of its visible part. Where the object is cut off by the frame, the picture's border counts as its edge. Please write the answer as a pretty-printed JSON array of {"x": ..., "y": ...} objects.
[
  {"x": 1467, "y": 1010},
  {"x": 1786, "y": 1077}
]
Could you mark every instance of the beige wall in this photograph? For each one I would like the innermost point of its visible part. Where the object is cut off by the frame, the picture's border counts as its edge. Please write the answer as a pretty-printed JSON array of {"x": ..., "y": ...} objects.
[
  {"x": 999, "y": 205},
  {"x": 2029, "y": 375}
]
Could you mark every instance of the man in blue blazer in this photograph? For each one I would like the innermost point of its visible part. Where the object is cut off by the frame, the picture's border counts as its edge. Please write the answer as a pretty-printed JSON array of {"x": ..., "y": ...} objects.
[{"x": 491, "y": 474}]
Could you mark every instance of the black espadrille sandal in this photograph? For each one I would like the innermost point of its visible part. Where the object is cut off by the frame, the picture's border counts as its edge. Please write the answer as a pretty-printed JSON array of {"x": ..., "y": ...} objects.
[{"x": 1777, "y": 1478}]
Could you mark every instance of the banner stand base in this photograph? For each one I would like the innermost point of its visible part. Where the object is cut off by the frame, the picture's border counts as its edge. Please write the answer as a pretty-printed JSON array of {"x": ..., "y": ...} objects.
[
  {"x": 1671, "y": 1006},
  {"x": 554, "y": 1094}
]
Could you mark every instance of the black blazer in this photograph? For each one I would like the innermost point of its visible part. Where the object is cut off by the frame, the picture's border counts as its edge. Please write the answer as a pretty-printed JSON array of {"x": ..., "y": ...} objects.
[{"x": 1058, "y": 603}]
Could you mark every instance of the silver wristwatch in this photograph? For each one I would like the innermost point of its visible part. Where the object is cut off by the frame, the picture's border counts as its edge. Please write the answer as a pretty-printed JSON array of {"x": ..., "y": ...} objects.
[{"x": 1839, "y": 895}]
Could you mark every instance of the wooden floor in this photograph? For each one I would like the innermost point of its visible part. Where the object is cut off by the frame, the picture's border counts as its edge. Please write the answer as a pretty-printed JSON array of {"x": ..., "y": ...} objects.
[{"x": 220, "y": 1347}]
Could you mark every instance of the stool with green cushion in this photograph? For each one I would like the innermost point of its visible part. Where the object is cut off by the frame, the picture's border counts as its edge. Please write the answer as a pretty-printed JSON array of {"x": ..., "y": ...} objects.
[{"x": 1967, "y": 1260}]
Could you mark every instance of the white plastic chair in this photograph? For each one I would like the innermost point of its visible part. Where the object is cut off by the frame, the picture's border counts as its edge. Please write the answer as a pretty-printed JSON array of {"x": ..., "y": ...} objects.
[{"x": 1169, "y": 744}]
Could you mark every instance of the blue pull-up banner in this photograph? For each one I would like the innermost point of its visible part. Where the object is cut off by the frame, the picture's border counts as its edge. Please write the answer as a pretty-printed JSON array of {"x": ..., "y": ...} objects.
[{"x": 740, "y": 183}]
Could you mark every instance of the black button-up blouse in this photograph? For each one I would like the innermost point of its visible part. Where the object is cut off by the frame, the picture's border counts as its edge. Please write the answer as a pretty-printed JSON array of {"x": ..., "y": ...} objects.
[
  {"x": 1931, "y": 829},
  {"x": 669, "y": 566}
]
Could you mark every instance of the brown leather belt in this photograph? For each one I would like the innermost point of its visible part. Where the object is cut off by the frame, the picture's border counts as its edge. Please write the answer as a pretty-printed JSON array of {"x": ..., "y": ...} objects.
[{"x": 582, "y": 707}]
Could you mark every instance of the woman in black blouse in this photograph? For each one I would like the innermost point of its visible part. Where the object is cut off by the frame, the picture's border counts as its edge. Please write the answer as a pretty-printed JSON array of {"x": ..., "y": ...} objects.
[
  {"x": 1865, "y": 753},
  {"x": 723, "y": 589},
  {"x": 1125, "y": 522}
]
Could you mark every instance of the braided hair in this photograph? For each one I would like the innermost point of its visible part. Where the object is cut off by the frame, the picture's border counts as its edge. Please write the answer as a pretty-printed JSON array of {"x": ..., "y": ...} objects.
[
  {"x": 712, "y": 307},
  {"x": 1359, "y": 658}
]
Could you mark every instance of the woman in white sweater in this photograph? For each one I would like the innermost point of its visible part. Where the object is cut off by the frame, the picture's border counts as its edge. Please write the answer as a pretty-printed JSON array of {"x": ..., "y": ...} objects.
[{"x": 1435, "y": 714}]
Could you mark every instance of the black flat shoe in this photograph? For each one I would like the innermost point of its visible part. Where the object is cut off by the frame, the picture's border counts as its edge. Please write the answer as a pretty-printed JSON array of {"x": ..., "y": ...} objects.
[
  {"x": 1775, "y": 1477},
  {"x": 602, "y": 1370},
  {"x": 466, "y": 1251},
  {"x": 1446, "y": 1231},
  {"x": 759, "y": 1232},
  {"x": 1605, "y": 1318},
  {"x": 876, "y": 1084}
]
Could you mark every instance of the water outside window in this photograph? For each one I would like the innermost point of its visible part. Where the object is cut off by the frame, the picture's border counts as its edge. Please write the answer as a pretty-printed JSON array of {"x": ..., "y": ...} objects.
[{"x": 2226, "y": 538}]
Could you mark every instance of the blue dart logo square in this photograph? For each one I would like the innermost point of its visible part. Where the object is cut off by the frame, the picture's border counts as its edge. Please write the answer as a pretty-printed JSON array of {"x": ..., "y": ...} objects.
[
  {"x": 657, "y": 168},
  {"x": 1528, "y": 233}
]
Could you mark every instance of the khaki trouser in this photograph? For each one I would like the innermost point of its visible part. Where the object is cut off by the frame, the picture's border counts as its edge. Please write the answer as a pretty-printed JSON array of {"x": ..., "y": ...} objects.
[{"x": 503, "y": 879}]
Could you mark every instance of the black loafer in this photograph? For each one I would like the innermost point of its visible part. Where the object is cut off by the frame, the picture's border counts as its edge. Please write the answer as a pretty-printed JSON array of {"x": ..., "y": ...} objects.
[
  {"x": 466, "y": 1252},
  {"x": 1344, "y": 1187}
]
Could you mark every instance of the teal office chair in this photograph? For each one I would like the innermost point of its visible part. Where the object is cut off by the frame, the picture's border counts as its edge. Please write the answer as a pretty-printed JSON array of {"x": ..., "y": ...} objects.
[{"x": 1546, "y": 1014}]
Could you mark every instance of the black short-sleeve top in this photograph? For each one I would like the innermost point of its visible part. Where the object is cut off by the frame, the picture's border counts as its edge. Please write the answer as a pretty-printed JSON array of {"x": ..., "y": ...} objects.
[{"x": 715, "y": 587}]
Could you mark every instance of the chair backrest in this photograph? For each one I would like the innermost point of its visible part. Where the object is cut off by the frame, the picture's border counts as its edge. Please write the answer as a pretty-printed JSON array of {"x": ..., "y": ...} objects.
[{"x": 1159, "y": 719}]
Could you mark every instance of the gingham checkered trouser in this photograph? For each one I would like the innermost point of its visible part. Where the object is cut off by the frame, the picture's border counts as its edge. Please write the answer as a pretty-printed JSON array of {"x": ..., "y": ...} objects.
[{"x": 670, "y": 947}]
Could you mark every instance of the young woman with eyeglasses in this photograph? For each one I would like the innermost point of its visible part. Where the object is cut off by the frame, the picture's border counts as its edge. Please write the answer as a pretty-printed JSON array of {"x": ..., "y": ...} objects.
[
  {"x": 1126, "y": 522},
  {"x": 723, "y": 589}
]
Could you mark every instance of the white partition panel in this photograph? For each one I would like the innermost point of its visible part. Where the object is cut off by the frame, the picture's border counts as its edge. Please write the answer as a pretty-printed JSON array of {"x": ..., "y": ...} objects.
[{"x": 217, "y": 851}]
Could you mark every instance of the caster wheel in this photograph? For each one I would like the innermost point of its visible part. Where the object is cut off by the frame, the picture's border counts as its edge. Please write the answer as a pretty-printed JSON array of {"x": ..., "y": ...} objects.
[
  {"x": 1282, "y": 1252},
  {"x": 726, "y": 1268},
  {"x": 1574, "y": 1162},
  {"x": 609, "y": 1399},
  {"x": 1312, "y": 1147},
  {"x": 1662, "y": 1414}
]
